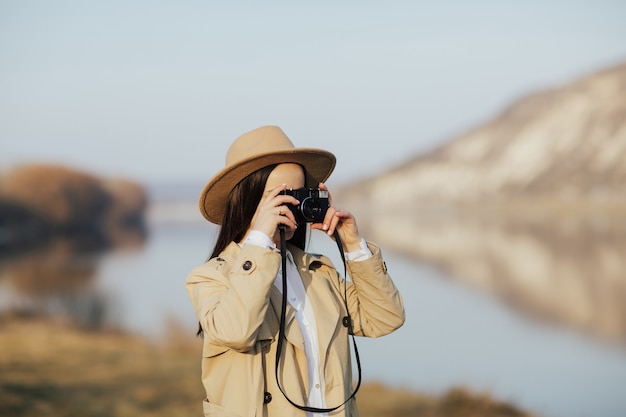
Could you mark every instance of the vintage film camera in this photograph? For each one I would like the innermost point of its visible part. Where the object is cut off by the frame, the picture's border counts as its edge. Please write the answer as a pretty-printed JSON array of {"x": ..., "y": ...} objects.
[{"x": 313, "y": 204}]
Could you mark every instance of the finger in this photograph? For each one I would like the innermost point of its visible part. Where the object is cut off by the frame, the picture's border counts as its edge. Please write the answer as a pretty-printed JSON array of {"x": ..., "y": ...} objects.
[
  {"x": 286, "y": 217},
  {"x": 330, "y": 212},
  {"x": 273, "y": 192},
  {"x": 340, "y": 218},
  {"x": 269, "y": 195},
  {"x": 285, "y": 212},
  {"x": 274, "y": 198},
  {"x": 333, "y": 224},
  {"x": 330, "y": 221}
]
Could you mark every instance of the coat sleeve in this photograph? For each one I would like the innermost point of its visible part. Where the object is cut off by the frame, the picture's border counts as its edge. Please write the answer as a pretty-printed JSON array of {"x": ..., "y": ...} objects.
[
  {"x": 374, "y": 302},
  {"x": 230, "y": 296}
]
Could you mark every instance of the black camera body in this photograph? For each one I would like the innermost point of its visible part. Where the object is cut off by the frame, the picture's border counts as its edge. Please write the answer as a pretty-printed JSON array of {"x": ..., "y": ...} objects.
[{"x": 313, "y": 204}]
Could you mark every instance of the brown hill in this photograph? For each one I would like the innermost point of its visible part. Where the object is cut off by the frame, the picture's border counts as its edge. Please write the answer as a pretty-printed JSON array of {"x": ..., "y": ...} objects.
[{"x": 38, "y": 201}]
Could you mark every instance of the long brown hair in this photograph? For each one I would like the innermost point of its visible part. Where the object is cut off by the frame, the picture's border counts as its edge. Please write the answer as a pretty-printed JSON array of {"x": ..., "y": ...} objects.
[{"x": 240, "y": 208}]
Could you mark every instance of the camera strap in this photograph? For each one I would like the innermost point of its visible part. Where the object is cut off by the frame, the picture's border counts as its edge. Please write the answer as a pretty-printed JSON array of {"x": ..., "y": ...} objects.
[{"x": 347, "y": 322}]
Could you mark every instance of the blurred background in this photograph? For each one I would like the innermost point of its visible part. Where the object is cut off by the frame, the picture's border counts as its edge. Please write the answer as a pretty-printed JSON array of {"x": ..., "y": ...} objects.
[{"x": 482, "y": 143}]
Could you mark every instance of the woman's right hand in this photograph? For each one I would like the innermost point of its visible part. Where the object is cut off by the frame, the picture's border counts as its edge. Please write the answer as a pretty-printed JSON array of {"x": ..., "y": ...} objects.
[{"x": 272, "y": 212}]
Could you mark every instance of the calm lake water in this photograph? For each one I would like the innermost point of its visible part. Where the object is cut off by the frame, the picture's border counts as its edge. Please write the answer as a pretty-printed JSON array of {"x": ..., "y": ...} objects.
[{"x": 453, "y": 335}]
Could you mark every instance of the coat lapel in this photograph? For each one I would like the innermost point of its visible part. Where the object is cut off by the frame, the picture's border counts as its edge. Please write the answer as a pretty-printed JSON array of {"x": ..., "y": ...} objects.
[
  {"x": 328, "y": 315},
  {"x": 292, "y": 329},
  {"x": 327, "y": 310}
]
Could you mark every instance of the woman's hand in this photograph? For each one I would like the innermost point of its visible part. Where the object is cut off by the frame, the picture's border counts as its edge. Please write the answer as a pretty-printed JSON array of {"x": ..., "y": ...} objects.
[
  {"x": 271, "y": 212},
  {"x": 341, "y": 220}
]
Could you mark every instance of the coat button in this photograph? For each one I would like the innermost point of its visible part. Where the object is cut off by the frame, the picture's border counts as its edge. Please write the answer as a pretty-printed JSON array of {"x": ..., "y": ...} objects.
[
  {"x": 267, "y": 398},
  {"x": 247, "y": 265}
]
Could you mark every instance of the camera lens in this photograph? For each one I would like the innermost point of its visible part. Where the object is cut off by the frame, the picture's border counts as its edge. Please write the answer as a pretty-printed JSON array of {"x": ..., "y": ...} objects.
[{"x": 314, "y": 209}]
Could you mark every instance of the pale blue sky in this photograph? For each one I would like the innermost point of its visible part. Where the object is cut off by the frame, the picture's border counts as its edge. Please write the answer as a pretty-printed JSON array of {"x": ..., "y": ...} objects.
[{"x": 157, "y": 90}]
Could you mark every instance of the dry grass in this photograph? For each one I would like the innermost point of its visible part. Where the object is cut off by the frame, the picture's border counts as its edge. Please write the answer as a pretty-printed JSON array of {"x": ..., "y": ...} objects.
[
  {"x": 51, "y": 369},
  {"x": 377, "y": 400}
]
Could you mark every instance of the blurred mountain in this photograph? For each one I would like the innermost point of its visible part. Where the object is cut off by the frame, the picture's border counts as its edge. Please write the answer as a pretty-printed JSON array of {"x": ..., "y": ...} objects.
[
  {"x": 564, "y": 144},
  {"x": 39, "y": 201},
  {"x": 529, "y": 207}
]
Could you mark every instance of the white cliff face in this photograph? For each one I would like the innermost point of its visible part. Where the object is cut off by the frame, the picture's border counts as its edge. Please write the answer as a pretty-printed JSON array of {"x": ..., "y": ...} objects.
[
  {"x": 530, "y": 207},
  {"x": 569, "y": 141}
]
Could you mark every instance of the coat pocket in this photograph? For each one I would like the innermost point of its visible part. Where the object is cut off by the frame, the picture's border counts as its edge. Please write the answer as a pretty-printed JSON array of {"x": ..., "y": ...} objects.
[{"x": 214, "y": 410}]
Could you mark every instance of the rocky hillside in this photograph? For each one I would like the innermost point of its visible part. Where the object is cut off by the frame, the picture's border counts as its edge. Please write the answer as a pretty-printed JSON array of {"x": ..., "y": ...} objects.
[
  {"x": 530, "y": 207},
  {"x": 567, "y": 144}
]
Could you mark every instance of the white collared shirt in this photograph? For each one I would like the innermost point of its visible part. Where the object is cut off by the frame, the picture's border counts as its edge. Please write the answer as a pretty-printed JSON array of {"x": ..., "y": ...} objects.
[
  {"x": 297, "y": 298},
  {"x": 305, "y": 315}
]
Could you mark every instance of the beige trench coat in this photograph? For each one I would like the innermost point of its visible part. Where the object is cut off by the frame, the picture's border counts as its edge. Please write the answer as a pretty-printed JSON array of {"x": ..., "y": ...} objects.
[{"x": 239, "y": 308}]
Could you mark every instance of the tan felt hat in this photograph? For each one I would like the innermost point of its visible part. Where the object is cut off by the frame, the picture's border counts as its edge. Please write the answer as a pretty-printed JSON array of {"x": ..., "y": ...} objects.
[{"x": 267, "y": 145}]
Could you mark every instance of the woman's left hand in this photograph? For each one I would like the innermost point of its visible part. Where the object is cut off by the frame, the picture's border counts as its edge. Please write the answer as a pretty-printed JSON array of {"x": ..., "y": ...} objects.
[{"x": 341, "y": 220}]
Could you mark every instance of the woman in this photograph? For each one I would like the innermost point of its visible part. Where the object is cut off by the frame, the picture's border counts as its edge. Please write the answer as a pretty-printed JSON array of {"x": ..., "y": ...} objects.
[{"x": 238, "y": 293}]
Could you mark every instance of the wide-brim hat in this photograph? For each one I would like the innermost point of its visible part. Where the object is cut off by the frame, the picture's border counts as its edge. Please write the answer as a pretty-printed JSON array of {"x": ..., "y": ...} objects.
[{"x": 267, "y": 145}]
